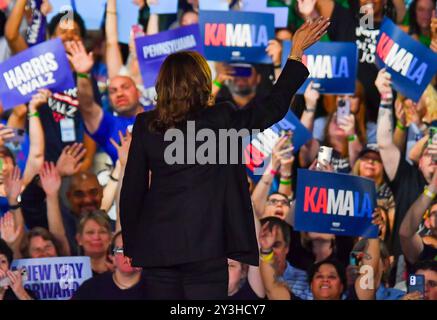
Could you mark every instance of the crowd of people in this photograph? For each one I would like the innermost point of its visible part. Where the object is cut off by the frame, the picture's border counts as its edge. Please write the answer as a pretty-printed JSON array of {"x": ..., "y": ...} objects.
[{"x": 60, "y": 197}]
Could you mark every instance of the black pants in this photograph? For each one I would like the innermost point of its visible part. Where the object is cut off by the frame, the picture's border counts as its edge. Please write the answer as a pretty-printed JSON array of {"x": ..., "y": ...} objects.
[{"x": 205, "y": 280}]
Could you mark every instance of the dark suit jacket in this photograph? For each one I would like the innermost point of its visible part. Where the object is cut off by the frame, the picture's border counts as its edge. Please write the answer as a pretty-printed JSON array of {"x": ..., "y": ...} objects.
[{"x": 194, "y": 212}]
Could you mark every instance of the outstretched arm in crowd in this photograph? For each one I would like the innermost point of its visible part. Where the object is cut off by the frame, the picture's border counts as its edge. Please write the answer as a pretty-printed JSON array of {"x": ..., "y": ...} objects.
[
  {"x": 390, "y": 153},
  {"x": 114, "y": 59},
  {"x": 12, "y": 233},
  {"x": 16, "y": 41},
  {"x": 51, "y": 183},
  {"x": 274, "y": 50},
  {"x": 262, "y": 189},
  {"x": 401, "y": 10},
  {"x": 309, "y": 150},
  {"x": 17, "y": 119},
  {"x": 347, "y": 124},
  {"x": 123, "y": 151},
  {"x": 254, "y": 273},
  {"x": 411, "y": 242},
  {"x": 91, "y": 147},
  {"x": 35, "y": 158},
  {"x": 82, "y": 63},
  {"x": 368, "y": 280},
  {"x": 274, "y": 290},
  {"x": 400, "y": 135}
]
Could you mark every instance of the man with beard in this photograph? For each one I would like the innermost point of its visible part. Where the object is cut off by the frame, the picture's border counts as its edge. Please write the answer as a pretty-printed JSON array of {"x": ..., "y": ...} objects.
[
  {"x": 125, "y": 283},
  {"x": 84, "y": 195}
]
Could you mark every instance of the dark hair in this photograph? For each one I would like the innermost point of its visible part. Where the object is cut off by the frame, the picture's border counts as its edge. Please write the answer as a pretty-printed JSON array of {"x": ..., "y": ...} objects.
[
  {"x": 38, "y": 232},
  {"x": 57, "y": 19},
  {"x": 183, "y": 88},
  {"x": 425, "y": 265},
  {"x": 185, "y": 12},
  {"x": 279, "y": 193},
  {"x": 6, "y": 153},
  {"x": 414, "y": 26},
  {"x": 341, "y": 271},
  {"x": 114, "y": 237},
  {"x": 2, "y": 23},
  {"x": 4, "y": 249},
  {"x": 275, "y": 221}
]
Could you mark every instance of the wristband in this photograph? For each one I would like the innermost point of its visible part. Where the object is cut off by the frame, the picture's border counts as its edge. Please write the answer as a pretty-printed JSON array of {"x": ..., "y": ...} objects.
[
  {"x": 15, "y": 206},
  {"x": 286, "y": 182},
  {"x": 111, "y": 12},
  {"x": 352, "y": 137},
  {"x": 267, "y": 257},
  {"x": 277, "y": 66},
  {"x": 34, "y": 114},
  {"x": 83, "y": 75},
  {"x": 273, "y": 172},
  {"x": 429, "y": 193},
  {"x": 400, "y": 126},
  {"x": 218, "y": 84},
  {"x": 265, "y": 252}
]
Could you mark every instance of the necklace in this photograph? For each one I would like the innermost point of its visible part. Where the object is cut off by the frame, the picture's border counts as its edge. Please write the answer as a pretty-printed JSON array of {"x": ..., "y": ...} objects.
[{"x": 120, "y": 285}]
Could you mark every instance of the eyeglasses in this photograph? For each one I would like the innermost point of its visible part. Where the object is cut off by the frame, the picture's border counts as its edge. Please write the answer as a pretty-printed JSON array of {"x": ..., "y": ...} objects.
[
  {"x": 283, "y": 202},
  {"x": 117, "y": 250}
]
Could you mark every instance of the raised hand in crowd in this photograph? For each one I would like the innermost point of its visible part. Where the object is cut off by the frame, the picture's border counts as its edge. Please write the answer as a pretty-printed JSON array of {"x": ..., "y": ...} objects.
[
  {"x": 50, "y": 179},
  {"x": 347, "y": 124},
  {"x": 325, "y": 166},
  {"x": 307, "y": 9},
  {"x": 46, "y": 7},
  {"x": 282, "y": 154},
  {"x": 15, "y": 283},
  {"x": 69, "y": 161},
  {"x": 13, "y": 184},
  {"x": 274, "y": 51},
  {"x": 11, "y": 233},
  {"x": 39, "y": 99},
  {"x": 123, "y": 147},
  {"x": 81, "y": 60},
  {"x": 5, "y": 134},
  {"x": 223, "y": 72},
  {"x": 383, "y": 83},
  {"x": 311, "y": 96}
]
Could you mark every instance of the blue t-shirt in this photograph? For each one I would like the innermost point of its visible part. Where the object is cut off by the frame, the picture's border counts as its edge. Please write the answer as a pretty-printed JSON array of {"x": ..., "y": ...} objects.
[{"x": 108, "y": 128}]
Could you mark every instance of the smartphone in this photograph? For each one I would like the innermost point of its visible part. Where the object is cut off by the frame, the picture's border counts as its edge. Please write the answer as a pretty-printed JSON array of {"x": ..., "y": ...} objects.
[
  {"x": 288, "y": 142},
  {"x": 343, "y": 109},
  {"x": 7, "y": 282},
  {"x": 433, "y": 139},
  {"x": 416, "y": 282},
  {"x": 243, "y": 70},
  {"x": 324, "y": 156},
  {"x": 18, "y": 136}
]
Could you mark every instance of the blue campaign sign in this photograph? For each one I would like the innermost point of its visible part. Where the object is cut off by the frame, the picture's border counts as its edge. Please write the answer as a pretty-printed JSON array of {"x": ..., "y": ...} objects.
[
  {"x": 92, "y": 12},
  {"x": 152, "y": 50},
  {"x": 54, "y": 278},
  {"x": 236, "y": 36},
  {"x": 164, "y": 7},
  {"x": 258, "y": 148},
  {"x": 42, "y": 66},
  {"x": 335, "y": 203},
  {"x": 219, "y": 5},
  {"x": 281, "y": 13},
  {"x": 127, "y": 16},
  {"x": 36, "y": 31},
  {"x": 59, "y": 6},
  {"x": 332, "y": 65},
  {"x": 411, "y": 65}
]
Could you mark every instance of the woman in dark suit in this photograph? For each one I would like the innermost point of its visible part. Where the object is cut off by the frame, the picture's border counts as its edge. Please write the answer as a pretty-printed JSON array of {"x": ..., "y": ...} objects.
[{"x": 181, "y": 221}]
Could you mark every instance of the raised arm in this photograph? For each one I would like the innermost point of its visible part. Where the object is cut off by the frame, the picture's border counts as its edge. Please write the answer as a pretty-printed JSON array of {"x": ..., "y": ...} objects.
[
  {"x": 82, "y": 63},
  {"x": 254, "y": 273},
  {"x": 411, "y": 242},
  {"x": 400, "y": 135},
  {"x": 51, "y": 184},
  {"x": 274, "y": 289},
  {"x": 17, "y": 119},
  {"x": 369, "y": 278},
  {"x": 35, "y": 158},
  {"x": 16, "y": 41},
  {"x": 114, "y": 59},
  {"x": 401, "y": 10},
  {"x": 262, "y": 188},
  {"x": 354, "y": 143},
  {"x": 135, "y": 185},
  {"x": 390, "y": 154},
  {"x": 262, "y": 115},
  {"x": 274, "y": 50}
]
